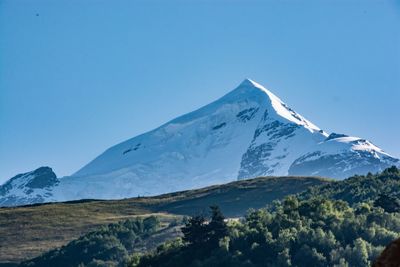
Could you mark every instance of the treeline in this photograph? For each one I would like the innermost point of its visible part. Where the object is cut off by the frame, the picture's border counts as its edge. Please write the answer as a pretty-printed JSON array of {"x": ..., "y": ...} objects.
[
  {"x": 360, "y": 188},
  {"x": 345, "y": 224}
]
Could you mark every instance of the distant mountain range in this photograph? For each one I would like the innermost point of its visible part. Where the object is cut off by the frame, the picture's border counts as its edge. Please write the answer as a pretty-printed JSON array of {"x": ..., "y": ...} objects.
[{"x": 247, "y": 133}]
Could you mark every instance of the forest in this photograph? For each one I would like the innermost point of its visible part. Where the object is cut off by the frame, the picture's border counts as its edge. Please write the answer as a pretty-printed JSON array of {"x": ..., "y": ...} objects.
[
  {"x": 347, "y": 223},
  {"x": 344, "y": 223}
]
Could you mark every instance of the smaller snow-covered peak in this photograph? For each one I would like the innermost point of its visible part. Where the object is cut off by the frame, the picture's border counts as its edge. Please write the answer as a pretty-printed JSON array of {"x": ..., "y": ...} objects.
[
  {"x": 27, "y": 188},
  {"x": 356, "y": 143},
  {"x": 40, "y": 178}
]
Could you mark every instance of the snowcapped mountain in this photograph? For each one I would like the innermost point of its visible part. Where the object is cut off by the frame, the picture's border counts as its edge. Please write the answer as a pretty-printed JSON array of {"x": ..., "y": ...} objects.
[
  {"x": 27, "y": 188},
  {"x": 248, "y": 132}
]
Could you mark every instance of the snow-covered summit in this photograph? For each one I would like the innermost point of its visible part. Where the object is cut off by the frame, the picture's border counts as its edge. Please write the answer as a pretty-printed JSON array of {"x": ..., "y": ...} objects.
[
  {"x": 281, "y": 109},
  {"x": 27, "y": 188},
  {"x": 246, "y": 133}
]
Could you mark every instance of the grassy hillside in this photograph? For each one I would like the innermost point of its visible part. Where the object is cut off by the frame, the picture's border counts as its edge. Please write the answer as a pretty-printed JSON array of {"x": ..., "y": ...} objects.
[
  {"x": 28, "y": 231},
  {"x": 235, "y": 198}
]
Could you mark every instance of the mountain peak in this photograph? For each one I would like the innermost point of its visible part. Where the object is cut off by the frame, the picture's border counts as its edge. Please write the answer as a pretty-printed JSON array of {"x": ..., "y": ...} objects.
[
  {"x": 29, "y": 187},
  {"x": 251, "y": 86},
  {"x": 249, "y": 82},
  {"x": 40, "y": 178},
  {"x": 252, "y": 89}
]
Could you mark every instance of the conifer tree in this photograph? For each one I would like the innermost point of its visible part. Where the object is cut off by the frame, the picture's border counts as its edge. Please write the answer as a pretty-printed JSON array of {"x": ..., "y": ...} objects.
[
  {"x": 217, "y": 228},
  {"x": 195, "y": 231}
]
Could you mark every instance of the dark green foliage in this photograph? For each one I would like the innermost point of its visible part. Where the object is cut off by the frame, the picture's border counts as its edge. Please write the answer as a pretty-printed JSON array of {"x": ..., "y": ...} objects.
[
  {"x": 334, "y": 225},
  {"x": 217, "y": 228},
  {"x": 199, "y": 234},
  {"x": 108, "y": 246},
  {"x": 201, "y": 239},
  {"x": 359, "y": 188},
  {"x": 195, "y": 231},
  {"x": 314, "y": 232},
  {"x": 392, "y": 170},
  {"x": 388, "y": 203}
]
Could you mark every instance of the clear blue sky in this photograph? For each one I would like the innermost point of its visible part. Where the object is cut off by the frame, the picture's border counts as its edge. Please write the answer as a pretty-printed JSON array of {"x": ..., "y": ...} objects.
[{"x": 77, "y": 77}]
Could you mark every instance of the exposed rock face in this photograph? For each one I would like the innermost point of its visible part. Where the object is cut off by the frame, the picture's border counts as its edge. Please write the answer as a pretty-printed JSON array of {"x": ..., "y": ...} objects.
[{"x": 261, "y": 157}]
